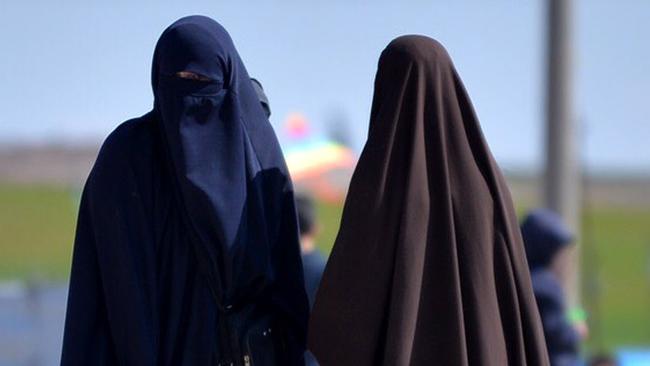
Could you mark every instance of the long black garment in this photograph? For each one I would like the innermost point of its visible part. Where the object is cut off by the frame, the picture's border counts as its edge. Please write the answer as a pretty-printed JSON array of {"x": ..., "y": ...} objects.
[
  {"x": 187, "y": 226},
  {"x": 428, "y": 267}
]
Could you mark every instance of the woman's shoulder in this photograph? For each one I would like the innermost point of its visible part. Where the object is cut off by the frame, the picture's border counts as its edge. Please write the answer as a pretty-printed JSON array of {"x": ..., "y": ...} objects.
[
  {"x": 131, "y": 141},
  {"x": 129, "y": 136}
]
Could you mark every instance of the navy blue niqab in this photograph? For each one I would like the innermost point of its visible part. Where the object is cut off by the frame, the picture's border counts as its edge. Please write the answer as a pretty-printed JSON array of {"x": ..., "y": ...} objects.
[
  {"x": 544, "y": 234},
  {"x": 186, "y": 218}
]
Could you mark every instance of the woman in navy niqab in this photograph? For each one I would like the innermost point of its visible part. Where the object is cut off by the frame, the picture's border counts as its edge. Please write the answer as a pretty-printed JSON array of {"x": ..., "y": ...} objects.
[{"x": 187, "y": 250}]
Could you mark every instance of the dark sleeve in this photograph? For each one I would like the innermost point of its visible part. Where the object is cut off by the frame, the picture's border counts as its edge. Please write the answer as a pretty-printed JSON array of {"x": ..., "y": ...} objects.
[
  {"x": 561, "y": 337},
  {"x": 109, "y": 318},
  {"x": 290, "y": 295},
  {"x": 87, "y": 337}
]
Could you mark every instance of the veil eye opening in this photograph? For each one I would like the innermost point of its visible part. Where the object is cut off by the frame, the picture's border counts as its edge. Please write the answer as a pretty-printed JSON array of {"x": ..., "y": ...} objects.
[
  {"x": 191, "y": 84},
  {"x": 189, "y": 75}
]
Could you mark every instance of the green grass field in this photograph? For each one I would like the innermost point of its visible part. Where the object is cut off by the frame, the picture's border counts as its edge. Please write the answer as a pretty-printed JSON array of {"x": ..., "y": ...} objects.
[
  {"x": 616, "y": 275},
  {"x": 37, "y": 230}
]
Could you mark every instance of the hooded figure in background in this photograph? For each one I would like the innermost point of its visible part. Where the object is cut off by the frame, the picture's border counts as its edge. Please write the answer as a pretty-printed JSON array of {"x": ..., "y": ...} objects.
[
  {"x": 545, "y": 235},
  {"x": 187, "y": 249},
  {"x": 428, "y": 267}
]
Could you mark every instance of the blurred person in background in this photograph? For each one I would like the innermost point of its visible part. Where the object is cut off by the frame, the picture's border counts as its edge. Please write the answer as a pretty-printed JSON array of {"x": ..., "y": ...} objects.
[
  {"x": 428, "y": 267},
  {"x": 187, "y": 249},
  {"x": 313, "y": 261},
  {"x": 545, "y": 237}
]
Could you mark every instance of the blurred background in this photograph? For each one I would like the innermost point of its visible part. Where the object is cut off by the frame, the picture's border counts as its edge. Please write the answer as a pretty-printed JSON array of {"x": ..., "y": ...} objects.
[{"x": 71, "y": 71}]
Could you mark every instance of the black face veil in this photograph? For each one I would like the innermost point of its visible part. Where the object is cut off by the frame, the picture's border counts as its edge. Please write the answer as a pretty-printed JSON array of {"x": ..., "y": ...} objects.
[{"x": 214, "y": 131}]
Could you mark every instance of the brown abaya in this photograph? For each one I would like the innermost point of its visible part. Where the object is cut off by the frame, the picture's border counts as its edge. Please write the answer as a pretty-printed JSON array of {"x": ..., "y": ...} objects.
[{"x": 428, "y": 266}]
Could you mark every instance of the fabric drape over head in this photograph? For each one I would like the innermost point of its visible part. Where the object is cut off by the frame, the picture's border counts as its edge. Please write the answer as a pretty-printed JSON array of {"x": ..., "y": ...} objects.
[
  {"x": 219, "y": 140},
  {"x": 428, "y": 267},
  {"x": 187, "y": 215}
]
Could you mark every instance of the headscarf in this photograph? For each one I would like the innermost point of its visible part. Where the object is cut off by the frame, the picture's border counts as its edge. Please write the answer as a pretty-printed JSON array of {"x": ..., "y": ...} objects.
[
  {"x": 428, "y": 267},
  {"x": 220, "y": 144},
  {"x": 544, "y": 235}
]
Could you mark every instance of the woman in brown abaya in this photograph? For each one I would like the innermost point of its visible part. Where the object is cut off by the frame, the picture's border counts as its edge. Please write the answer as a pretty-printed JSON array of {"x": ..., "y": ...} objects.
[{"x": 428, "y": 266}]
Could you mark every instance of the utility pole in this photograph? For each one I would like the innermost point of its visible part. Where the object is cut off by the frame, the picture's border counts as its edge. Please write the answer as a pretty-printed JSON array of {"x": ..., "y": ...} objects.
[{"x": 562, "y": 179}]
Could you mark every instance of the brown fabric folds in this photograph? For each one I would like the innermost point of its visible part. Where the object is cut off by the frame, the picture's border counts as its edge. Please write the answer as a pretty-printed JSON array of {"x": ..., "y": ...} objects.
[{"x": 428, "y": 266}]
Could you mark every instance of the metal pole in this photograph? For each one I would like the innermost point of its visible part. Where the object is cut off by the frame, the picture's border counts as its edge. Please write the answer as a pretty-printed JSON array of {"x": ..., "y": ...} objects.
[{"x": 562, "y": 181}]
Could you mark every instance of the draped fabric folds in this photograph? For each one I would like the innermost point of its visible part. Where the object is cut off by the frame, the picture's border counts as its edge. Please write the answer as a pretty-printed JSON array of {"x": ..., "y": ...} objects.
[
  {"x": 187, "y": 215},
  {"x": 428, "y": 267}
]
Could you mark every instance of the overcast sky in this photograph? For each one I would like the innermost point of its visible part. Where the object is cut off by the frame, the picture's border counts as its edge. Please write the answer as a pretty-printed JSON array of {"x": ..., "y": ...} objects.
[{"x": 73, "y": 70}]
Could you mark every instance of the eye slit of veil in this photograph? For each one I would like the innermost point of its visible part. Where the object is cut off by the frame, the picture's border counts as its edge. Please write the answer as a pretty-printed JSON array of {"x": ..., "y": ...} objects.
[{"x": 188, "y": 75}]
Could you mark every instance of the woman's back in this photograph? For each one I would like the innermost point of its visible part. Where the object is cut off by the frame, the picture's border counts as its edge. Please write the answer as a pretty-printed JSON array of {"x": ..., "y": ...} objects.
[{"x": 428, "y": 267}]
